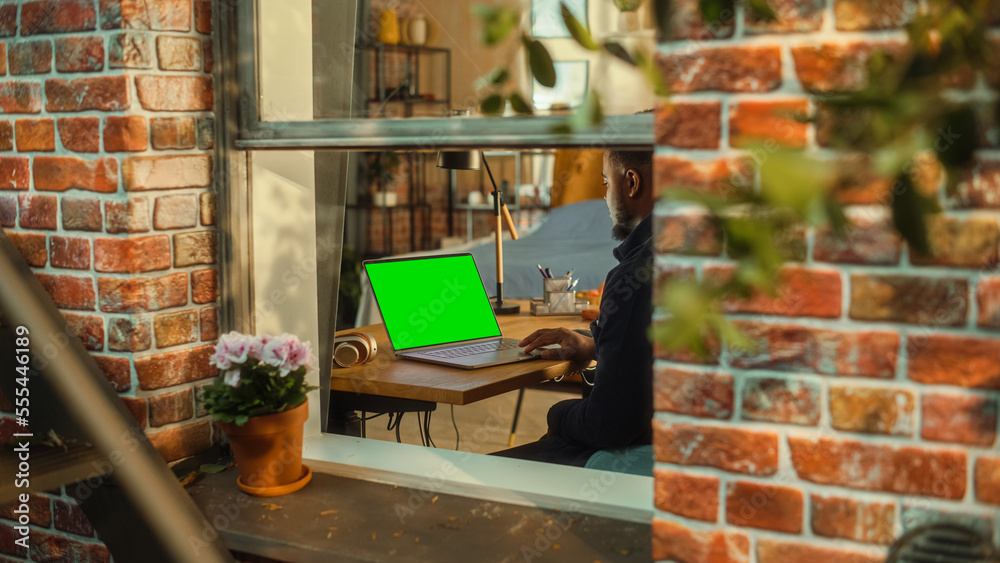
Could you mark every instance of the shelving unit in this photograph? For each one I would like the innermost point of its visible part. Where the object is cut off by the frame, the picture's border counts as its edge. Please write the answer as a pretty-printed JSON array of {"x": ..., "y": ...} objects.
[{"x": 408, "y": 91}]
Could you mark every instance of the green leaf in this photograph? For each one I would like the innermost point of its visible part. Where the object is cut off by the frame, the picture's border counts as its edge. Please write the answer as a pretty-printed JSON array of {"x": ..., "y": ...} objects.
[
  {"x": 909, "y": 211},
  {"x": 211, "y": 468},
  {"x": 497, "y": 22},
  {"x": 589, "y": 114},
  {"x": 495, "y": 77},
  {"x": 540, "y": 62},
  {"x": 652, "y": 73},
  {"x": 662, "y": 13},
  {"x": 579, "y": 32},
  {"x": 492, "y": 105},
  {"x": 519, "y": 104},
  {"x": 619, "y": 51},
  {"x": 716, "y": 11},
  {"x": 762, "y": 10},
  {"x": 792, "y": 181},
  {"x": 957, "y": 137}
]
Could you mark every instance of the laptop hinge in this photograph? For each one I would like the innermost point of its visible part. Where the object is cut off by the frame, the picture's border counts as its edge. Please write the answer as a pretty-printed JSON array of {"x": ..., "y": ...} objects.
[{"x": 452, "y": 345}]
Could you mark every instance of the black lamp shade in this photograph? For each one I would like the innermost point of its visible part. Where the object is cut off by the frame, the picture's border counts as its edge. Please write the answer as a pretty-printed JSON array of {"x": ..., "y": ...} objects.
[{"x": 459, "y": 160}]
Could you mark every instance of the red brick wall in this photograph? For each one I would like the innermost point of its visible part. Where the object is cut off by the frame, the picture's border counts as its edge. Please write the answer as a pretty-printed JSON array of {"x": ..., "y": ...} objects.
[
  {"x": 106, "y": 187},
  {"x": 871, "y": 404}
]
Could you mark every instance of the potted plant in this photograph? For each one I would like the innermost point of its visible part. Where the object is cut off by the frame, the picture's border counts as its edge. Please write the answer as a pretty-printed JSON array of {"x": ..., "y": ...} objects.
[{"x": 260, "y": 399}]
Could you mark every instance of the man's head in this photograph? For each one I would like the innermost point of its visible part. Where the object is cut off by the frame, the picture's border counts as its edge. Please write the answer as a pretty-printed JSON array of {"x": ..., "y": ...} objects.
[{"x": 628, "y": 178}]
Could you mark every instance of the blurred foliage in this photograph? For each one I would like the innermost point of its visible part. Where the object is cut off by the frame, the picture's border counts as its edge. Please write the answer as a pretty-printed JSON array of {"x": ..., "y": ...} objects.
[{"x": 903, "y": 115}]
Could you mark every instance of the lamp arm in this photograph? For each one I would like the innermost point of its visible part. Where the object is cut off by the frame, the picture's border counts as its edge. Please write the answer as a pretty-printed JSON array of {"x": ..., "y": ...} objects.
[{"x": 498, "y": 198}]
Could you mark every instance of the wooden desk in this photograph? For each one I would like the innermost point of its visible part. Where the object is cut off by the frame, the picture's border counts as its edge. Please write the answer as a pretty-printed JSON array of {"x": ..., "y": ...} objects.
[{"x": 388, "y": 376}]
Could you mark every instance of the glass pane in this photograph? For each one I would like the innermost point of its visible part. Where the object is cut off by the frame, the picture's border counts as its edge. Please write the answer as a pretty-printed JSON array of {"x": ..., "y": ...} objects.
[{"x": 423, "y": 59}]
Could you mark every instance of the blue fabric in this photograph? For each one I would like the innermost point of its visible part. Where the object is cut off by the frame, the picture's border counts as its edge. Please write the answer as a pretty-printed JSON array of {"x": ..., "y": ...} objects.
[
  {"x": 573, "y": 237},
  {"x": 635, "y": 460}
]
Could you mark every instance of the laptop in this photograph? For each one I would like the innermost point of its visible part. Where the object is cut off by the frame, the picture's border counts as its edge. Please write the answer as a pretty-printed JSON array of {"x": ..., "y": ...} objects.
[{"x": 436, "y": 310}]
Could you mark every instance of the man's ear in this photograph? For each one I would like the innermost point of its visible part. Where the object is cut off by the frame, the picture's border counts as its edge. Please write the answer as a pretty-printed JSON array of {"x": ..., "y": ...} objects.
[{"x": 633, "y": 182}]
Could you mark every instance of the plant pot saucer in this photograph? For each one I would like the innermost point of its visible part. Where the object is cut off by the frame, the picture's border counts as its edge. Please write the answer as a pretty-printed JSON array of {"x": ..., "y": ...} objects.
[{"x": 278, "y": 490}]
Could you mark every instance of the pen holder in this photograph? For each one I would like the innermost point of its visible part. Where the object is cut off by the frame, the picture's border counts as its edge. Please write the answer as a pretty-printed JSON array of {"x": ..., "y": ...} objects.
[
  {"x": 554, "y": 285},
  {"x": 562, "y": 302}
]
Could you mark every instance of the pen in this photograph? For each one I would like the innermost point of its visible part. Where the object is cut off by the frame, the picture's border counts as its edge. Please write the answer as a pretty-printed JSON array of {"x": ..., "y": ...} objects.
[
  {"x": 570, "y": 273},
  {"x": 548, "y": 273},
  {"x": 541, "y": 270}
]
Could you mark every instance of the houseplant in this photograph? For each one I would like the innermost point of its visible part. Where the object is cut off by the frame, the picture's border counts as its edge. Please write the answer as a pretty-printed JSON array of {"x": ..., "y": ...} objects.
[{"x": 260, "y": 399}]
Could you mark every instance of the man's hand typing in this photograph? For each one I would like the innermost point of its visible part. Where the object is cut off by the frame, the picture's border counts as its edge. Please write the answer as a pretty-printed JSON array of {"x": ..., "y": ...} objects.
[{"x": 573, "y": 345}]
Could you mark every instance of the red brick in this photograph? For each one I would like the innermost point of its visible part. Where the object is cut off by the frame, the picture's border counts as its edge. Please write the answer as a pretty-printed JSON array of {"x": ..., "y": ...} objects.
[
  {"x": 713, "y": 177},
  {"x": 203, "y": 16},
  {"x": 686, "y": 22},
  {"x": 836, "y": 66},
  {"x": 8, "y": 20},
  {"x": 159, "y": 15},
  {"x": 690, "y": 496},
  {"x": 174, "y": 329},
  {"x": 69, "y": 252},
  {"x": 166, "y": 172},
  {"x": 61, "y": 173},
  {"x": 172, "y": 132},
  {"x": 130, "y": 334},
  {"x": 207, "y": 208},
  {"x": 31, "y": 246},
  {"x": 988, "y": 480},
  {"x": 29, "y": 57},
  {"x": 865, "y": 522},
  {"x": 963, "y": 243},
  {"x": 57, "y": 16},
  {"x": 960, "y": 419},
  {"x": 20, "y": 97},
  {"x": 79, "y": 54},
  {"x": 104, "y": 93},
  {"x": 752, "y": 123},
  {"x": 38, "y": 211},
  {"x": 175, "y": 212},
  {"x": 89, "y": 328},
  {"x": 773, "y": 551},
  {"x": 869, "y": 467},
  {"x": 142, "y": 254},
  {"x": 204, "y": 286},
  {"x": 692, "y": 234},
  {"x": 125, "y": 133},
  {"x": 767, "y": 507},
  {"x": 801, "y": 292},
  {"x": 872, "y": 411},
  {"x": 689, "y": 125},
  {"x": 178, "y": 53},
  {"x": 69, "y": 517},
  {"x": 131, "y": 216},
  {"x": 139, "y": 410},
  {"x": 909, "y": 299},
  {"x": 81, "y": 214},
  {"x": 174, "y": 93},
  {"x": 869, "y": 238},
  {"x": 8, "y": 535},
  {"x": 3, "y": 58},
  {"x": 787, "y": 401},
  {"x": 171, "y": 407},
  {"x": 712, "y": 350},
  {"x": 69, "y": 292},
  {"x": 8, "y": 211},
  {"x": 39, "y": 510},
  {"x": 80, "y": 134},
  {"x": 14, "y": 173},
  {"x": 793, "y": 16},
  {"x": 131, "y": 50},
  {"x": 140, "y": 295},
  {"x": 725, "y": 69},
  {"x": 206, "y": 133},
  {"x": 49, "y": 547},
  {"x": 35, "y": 134},
  {"x": 980, "y": 189},
  {"x": 208, "y": 56},
  {"x": 676, "y": 543},
  {"x": 6, "y": 136},
  {"x": 729, "y": 449},
  {"x": 988, "y": 300},
  {"x": 951, "y": 360},
  {"x": 183, "y": 441},
  {"x": 706, "y": 395},
  {"x": 209, "y": 323},
  {"x": 191, "y": 249},
  {"x": 174, "y": 368},
  {"x": 872, "y": 15}
]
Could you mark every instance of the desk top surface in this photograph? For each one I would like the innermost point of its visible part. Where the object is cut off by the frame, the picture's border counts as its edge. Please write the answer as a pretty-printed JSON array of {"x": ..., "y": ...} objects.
[{"x": 389, "y": 376}]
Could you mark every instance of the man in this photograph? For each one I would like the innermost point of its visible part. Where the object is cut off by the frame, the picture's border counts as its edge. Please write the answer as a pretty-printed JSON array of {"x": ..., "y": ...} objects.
[{"x": 619, "y": 410}]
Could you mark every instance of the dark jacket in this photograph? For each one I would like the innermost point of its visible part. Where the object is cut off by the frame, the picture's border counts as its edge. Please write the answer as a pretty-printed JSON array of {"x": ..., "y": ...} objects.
[{"x": 619, "y": 410}]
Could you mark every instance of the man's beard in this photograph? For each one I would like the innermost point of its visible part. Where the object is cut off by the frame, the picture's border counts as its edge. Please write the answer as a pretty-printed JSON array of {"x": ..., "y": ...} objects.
[{"x": 622, "y": 226}]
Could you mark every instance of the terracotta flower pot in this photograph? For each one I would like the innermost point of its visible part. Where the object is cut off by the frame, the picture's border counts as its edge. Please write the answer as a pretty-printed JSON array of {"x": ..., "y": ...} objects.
[{"x": 268, "y": 452}]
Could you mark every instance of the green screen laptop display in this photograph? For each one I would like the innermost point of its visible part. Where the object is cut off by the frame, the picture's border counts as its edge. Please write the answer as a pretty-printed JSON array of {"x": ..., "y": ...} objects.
[{"x": 430, "y": 301}]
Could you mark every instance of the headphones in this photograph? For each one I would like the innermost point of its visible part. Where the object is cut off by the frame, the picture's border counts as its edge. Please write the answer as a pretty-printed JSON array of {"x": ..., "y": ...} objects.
[{"x": 353, "y": 349}]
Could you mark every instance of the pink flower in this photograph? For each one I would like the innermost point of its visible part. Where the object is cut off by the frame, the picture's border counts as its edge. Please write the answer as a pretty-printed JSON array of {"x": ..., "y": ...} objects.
[
  {"x": 286, "y": 353},
  {"x": 232, "y": 378},
  {"x": 232, "y": 348}
]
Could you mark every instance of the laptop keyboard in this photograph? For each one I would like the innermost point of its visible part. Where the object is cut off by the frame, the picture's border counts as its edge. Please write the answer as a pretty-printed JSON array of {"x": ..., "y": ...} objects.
[{"x": 472, "y": 349}]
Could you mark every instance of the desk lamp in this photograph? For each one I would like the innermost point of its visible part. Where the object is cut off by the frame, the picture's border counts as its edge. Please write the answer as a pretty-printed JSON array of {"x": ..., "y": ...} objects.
[{"x": 472, "y": 160}]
